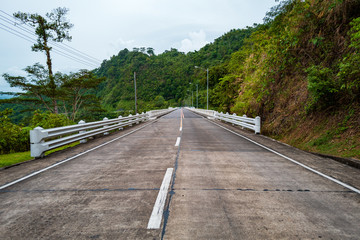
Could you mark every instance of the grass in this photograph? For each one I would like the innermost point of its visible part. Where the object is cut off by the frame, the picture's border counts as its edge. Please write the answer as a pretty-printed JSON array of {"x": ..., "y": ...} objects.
[
  {"x": 336, "y": 133},
  {"x": 14, "y": 158},
  {"x": 330, "y": 142}
]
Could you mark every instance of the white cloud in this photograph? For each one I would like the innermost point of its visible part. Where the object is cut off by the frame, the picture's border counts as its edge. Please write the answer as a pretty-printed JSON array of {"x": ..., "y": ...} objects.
[
  {"x": 120, "y": 44},
  {"x": 195, "y": 41}
]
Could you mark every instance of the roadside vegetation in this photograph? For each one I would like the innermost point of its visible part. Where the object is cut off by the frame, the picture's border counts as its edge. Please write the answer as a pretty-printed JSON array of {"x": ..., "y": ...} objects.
[{"x": 299, "y": 71}]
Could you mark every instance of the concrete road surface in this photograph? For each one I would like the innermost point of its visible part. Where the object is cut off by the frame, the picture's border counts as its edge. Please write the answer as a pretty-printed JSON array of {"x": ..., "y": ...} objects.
[{"x": 222, "y": 187}]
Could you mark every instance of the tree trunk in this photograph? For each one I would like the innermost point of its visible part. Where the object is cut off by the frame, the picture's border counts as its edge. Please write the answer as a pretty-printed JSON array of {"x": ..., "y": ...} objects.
[{"x": 51, "y": 76}]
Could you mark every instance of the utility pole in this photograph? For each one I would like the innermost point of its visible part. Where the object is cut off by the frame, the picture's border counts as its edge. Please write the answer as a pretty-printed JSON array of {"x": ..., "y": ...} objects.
[
  {"x": 135, "y": 93},
  {"x": 192, "y": 95},
  {"x": 207, "y": 86},
  {"x": 207, "y": 89},
  {"x": 197, "y": 104}
]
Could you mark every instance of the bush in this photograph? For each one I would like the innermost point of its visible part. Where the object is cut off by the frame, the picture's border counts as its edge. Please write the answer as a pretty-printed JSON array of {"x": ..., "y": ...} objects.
[
  {"x": 49, "y": 120},
  {"x": 349, "y": 67},
  {"x": 322, "y": 86},
  {"x": 13, "y": 138}
]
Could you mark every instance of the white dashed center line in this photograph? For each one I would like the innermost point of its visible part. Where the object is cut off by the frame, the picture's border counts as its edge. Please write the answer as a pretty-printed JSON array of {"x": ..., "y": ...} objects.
[{"x": 157, "y": 213}]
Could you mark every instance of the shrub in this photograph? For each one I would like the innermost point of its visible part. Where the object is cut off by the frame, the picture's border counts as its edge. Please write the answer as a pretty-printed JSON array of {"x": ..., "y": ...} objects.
[
  {"x": 322, "y": 86},
  {"x": 349, "y": 67},
  {"x": 49, "y": 120},
  {"x": 13, "y": 138}
]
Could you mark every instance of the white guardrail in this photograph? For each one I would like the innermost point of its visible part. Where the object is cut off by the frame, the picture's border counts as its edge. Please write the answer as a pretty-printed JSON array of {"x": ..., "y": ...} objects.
[
  {"x": 42, "y": 140},
  {"x": 250, "y": 123}
]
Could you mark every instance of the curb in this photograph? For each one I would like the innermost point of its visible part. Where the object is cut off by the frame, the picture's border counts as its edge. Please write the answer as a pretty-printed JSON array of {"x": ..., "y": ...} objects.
[{"x": 348, "y": 161}]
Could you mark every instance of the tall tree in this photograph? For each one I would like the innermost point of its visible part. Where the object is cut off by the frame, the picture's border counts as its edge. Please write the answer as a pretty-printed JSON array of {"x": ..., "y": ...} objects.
[{"x": 53, "y": 27}]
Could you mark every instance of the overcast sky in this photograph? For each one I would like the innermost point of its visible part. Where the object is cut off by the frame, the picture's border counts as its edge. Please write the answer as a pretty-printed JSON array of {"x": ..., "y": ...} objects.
[{"x": 103, "y": 28}]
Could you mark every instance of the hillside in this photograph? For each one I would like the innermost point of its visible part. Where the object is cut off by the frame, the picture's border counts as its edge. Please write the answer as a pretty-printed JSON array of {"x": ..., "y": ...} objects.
[{"x": 300, "y": 73}]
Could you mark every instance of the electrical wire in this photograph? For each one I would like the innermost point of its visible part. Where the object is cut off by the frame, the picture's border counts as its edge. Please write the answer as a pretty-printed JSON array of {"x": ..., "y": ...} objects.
[
  {"x": 29, "y": 39},
  {"x": 75, "y": 52},
  {"x": 22, "y": 25},
  {"x": 57, "y": 47}
]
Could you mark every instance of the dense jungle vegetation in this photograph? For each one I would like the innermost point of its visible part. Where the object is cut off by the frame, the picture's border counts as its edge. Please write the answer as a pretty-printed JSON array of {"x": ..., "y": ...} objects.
[{"x": 299, "y": 71}]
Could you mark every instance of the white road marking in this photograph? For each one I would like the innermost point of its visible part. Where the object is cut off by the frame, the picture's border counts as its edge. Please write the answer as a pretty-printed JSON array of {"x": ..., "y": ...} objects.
[
  {"x": 71, "y": 158},
  {"x": 294, "y": 161},
  {"x": 157, "y": 213},
  {"x": 180, "y": 129},
  {"x": 177, "y": 142}
]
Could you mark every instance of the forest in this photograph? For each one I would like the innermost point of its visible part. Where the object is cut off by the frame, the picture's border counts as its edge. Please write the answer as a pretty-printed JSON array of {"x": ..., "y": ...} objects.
[{"x": 299, "y": 71}]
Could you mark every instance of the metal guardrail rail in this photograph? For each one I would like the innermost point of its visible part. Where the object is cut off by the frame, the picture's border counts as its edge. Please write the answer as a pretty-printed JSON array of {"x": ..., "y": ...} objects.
[
  {"x": 156, "y": 113},
  {"x": 42, "y": 140},
  {"x": 243, "y": 121}
]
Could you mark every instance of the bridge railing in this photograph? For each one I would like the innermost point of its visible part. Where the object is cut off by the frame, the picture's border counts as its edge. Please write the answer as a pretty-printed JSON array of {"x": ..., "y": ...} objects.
[
  {"x": 42, "y": 140},
  {"x": 156, "y": 113},
  {"x": 243, "y": 121},
  {"x": 209, "y": 113}
]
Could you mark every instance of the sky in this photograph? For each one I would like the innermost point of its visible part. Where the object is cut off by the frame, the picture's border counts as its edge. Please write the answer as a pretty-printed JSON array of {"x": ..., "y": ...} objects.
[{"x": 103, "y": 28}]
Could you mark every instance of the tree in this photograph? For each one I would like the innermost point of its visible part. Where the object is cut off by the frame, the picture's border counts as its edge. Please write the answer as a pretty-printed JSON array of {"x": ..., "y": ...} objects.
[
  {"x": 150, "y": 51},
  {"x": 53, "y": 27},
  {"x": 37, "y": 87},
  {"x": 76, "y": 91}
]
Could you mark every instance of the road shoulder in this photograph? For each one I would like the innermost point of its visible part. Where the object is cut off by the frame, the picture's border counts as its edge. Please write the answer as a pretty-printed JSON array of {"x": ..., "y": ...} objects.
[{"x": 343, "y": 172}]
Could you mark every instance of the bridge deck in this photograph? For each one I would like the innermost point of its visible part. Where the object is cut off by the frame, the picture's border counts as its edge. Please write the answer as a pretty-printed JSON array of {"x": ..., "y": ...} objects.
[{"x": 222, "y": 187}]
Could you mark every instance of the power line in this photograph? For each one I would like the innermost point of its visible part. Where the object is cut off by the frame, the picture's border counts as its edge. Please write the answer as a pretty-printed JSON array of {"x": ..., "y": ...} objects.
[
  {"x": 18, "y": 22},
  {"x": 52, "y": 43},
  {"x": 64, "y": 50},
  {"x": 69, "y": 52},
  {"x": 29, "y": 39},
  {"x": 55, "y": 50}
]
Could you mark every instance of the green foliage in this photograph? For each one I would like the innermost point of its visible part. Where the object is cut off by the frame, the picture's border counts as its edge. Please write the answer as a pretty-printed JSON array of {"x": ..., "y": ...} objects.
[
  {"x": 49, "y": 120},
  {"x": 77, "y": 93},
  {"x": 299, "y": 39},
  {"x": 41, "y": 83},
  {"x": 13, "y": 138},
  {"x": 168, "y": 74},
  {"x": 57, "y": 93},
  {"x": 349, "y": 67},
  {"x": 322, "y": 140},
  {"x": 159, "y": 102},
  {"x": 225, "y": 92},
  {"x": 221, "y": 49},
  {"x": 322, "y": 86}
]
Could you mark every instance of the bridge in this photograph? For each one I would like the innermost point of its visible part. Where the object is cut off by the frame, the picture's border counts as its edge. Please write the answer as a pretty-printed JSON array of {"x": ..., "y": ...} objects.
[{"x": 181, "y": 176}]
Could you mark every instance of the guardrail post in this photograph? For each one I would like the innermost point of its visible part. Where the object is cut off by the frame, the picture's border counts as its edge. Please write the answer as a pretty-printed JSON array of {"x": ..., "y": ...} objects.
[
  {"x": 83, "y": 140},
  {"x": 137, "y": 118},
  {"x": 257, "y": 125},
  {"x": 244, "y": 117},
  {"x": 234, "y": 114},
  {"x": 120, "y": 128},
  {"x": 143, "y": 117},
  {"x": 105, "y": 133},
  {"x": 130, "y": 120},
  {"x": 36, "y": 148}
]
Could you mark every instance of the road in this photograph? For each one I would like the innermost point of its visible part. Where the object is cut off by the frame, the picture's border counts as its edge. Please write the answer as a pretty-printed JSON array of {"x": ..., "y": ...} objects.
[{"x": 222, "y": 187}]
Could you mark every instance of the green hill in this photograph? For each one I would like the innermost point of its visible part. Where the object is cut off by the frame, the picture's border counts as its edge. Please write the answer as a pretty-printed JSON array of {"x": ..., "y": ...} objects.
[{"x": 162, "y": 80}]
